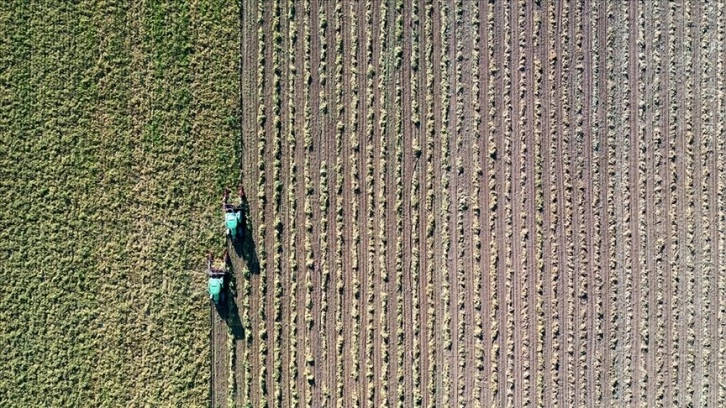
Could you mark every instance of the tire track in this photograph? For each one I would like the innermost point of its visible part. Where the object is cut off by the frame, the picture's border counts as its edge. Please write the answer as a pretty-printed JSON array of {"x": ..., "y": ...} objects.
[{"x": 220, "y": 369}]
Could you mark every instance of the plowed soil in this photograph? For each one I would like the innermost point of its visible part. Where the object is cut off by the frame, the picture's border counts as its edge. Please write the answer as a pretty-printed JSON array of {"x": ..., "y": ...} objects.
[{"x": 459, "y": 203}]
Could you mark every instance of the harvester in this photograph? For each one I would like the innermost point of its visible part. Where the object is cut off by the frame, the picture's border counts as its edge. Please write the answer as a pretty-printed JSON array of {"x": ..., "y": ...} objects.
[
  {"x": 234, "y": 216},
  {"x": 216, "y": 278}
]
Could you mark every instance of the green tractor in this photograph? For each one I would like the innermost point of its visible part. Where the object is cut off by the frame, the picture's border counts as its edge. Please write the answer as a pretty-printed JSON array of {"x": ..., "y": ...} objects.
[
  {"x": 234, "y": 216},
  {"x": 215, "y": 285}
]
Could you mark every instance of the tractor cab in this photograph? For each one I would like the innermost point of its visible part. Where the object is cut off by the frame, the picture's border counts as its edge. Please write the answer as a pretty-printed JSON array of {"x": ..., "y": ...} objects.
[
  {"x": 215, "y": 284},
  {"x": 231, "y": 222},
  {"x": 233, "y": 215},
  {"x": 215, "y": 287}
]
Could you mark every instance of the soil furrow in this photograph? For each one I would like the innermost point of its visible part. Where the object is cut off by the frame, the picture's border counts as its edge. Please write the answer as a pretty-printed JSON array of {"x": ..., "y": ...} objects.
[
  {"x": 407, "y": 326},
  {"x": 516, "y": 200},
  {"x": 547, "y": 112},
  {"x": 220, "y": 360},
  {"x": 467, "y": 250},
  {"x": 713, "y": 216},
  {"x": 318, "y": 105},
  {"x": 452, "y": 42},
  {"x": 603, "y": 144},
  {"x": 485, "y": 214},
  {"x": 380, "y": 173},
  {"x": 367, "y": 208},
  {"x": 531, "y": 169},
  {"x": 667, "y": 123},
  {"x": 295, "y": 220},
  {"x": 633, "y": 184},
  {"x": 498, "y": 152},
  {"x": 428, "y": 332},
  {"x": 699, "y": 266},
  {"x": 679, "y": 298},
  {"x": 349, "y": 241},
  {"x": 437, "y": 321},
  {"x": 559, "y": 340},
  {"x": 281, "y": 318},
  {"x": 650, "y": 323},
  {"x": 589, "y": 202}
]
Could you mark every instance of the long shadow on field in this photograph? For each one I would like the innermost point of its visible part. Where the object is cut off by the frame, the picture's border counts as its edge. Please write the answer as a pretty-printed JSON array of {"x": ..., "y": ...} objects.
[
  {"x": 245, "y": 246},
  {"x": 231, "y": 315}
]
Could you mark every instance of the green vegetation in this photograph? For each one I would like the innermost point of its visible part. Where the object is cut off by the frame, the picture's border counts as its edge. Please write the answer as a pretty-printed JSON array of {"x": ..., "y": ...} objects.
[{"x": 119, "y": 130}]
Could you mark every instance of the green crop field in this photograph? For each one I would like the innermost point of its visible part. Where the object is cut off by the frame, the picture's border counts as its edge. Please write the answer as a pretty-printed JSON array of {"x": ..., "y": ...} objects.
[{"x": 118, "y": 129}]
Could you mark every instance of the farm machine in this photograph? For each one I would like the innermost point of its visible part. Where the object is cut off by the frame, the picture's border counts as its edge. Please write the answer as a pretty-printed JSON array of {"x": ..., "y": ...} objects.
[
  {"x": 234, "y": 217},
  {"x": 216, "y": 283}
]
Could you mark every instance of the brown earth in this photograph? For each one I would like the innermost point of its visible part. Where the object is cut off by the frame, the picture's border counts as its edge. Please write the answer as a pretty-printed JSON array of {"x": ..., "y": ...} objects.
[{"x": 505, "y": 204}]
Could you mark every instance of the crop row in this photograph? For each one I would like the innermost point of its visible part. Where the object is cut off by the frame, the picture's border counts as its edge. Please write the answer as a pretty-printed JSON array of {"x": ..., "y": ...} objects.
[
  {"x": 292, "y": 263},
  {"x": 354, "y": 356},
  {"x": 430, "y": 333}
]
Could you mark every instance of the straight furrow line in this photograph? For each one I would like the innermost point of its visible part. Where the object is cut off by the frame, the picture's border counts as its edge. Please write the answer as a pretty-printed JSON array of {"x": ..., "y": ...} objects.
[
  {"x": 336, "y": 365},
  {"x": 308, "y": 359},
  {"x": 710, "y": 288},
  {"x": 277, "y": 265},
  {"x": 259, "y": 369},
  {"x": 429, "y": 337},
  {"x": 550, "y": 378},
  {"x": 719, "y": 176},
  {"x": 518, "y": 180},
  {"x": 491, "y": 390},
  {"x": 537, "y": 226},
  {"x": 445, "y": 202},
  {"x": 402, "y": 137},
  {"x": 381, "y": 350},
  {"x": 670, "y": 125},
  {"x": 352, "y": 388},
  {"x": 415, "y": 209},
  {"x": 292, "y": 263},
  {"x": 323, "y": 206},
  {"x": 657, "y": 260},
  {"x": 370, "y": 211}
]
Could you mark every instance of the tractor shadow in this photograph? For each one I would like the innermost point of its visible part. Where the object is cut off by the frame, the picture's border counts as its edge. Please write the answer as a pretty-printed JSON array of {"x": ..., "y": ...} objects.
[
  {"x": 230, "y": 314},
  {"x": 244, "y": 246}
]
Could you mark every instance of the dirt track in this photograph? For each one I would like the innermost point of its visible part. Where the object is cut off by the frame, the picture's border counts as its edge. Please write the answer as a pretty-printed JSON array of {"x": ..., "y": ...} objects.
[{"x": 511, "y": 205}]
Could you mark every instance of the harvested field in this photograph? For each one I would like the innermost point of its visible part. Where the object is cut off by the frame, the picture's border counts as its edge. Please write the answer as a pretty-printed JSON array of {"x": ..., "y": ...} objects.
[
  {"x": 452, "y": 203},
  {"x": 464, "y": 204}
]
